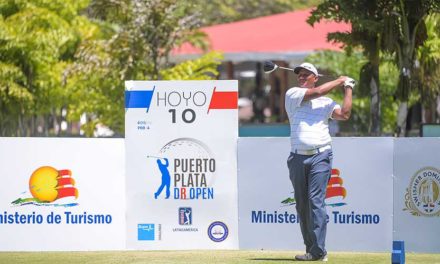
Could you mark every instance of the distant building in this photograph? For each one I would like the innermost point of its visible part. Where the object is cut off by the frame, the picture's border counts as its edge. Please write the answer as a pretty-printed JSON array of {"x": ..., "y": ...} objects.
[{"x": 284, "y": 38}]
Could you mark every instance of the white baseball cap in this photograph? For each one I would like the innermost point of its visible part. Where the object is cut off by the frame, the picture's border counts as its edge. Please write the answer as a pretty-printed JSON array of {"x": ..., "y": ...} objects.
[{"x": 307, "y": 66}]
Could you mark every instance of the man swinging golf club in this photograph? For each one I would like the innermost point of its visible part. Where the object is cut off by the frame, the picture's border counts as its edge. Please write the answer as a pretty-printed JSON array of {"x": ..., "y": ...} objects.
[{"x": 310, "y": 160}]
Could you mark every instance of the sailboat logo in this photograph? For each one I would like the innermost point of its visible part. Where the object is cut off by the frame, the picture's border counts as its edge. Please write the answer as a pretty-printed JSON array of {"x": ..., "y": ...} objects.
[{"x": 336, "y": 192}]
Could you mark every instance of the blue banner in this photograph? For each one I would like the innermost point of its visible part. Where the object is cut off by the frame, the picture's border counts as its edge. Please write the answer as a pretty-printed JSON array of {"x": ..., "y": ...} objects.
[{"x": 138, "y": 99}]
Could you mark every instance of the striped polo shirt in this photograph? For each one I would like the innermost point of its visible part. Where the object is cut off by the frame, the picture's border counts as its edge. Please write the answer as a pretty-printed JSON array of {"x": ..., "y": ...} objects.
[{"x": 308, "y": 119}]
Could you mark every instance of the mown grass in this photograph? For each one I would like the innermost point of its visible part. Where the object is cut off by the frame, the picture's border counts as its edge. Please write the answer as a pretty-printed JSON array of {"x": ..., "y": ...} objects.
[{"x": 201, "y": 256}]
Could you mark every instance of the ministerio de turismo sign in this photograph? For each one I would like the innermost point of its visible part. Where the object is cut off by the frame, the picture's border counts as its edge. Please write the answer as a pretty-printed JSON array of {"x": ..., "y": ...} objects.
[
  {"x": 181, "y": 168},
  {"x": 359, "y": 204},
  {"x": 61, "y": 194}
]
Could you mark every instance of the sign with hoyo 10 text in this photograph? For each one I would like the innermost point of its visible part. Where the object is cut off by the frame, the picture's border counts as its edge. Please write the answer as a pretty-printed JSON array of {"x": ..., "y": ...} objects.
[{"x": 181, "y": 167}]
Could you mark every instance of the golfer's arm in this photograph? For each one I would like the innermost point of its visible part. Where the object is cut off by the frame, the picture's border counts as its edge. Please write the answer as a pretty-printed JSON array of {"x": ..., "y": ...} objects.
[
  {"x": 322, "y": 89},
  {"x": 344, "y": 112}
]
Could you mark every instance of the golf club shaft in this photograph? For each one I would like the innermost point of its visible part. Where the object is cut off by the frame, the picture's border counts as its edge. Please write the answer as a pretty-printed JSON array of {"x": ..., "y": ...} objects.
[
  {"x": 320, "y": 75},
  {"x": 149, "y": 156},
  {"x": 275, "y": 67},
  {"x": 289, "y": 69}
]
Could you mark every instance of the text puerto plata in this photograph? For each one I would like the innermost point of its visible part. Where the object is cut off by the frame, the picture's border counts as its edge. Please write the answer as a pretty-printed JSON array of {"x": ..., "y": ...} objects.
[{"x": 190, "y": 178}]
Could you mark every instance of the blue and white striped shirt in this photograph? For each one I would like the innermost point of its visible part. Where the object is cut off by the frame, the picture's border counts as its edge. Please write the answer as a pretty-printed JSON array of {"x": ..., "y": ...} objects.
[{"x": 308, "y": 119}]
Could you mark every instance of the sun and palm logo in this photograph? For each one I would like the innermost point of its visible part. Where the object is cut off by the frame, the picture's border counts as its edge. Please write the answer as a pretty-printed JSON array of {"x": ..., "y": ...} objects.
[
  {"x": 335, "y": 191},
  {"x": 47, "y": 185}
]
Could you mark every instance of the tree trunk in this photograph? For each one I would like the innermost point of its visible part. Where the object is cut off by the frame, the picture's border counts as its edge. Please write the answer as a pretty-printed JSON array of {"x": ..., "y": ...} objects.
[
  {"x": 34, "y": 125},
  {"x": 375, "y": 104},
  {"x": 259, "y": 95},
  {"x": 402, "y": 113},
  {"x": 22, "y": 126},
  {"x": 56, "y": 122},
  {"x": 428, "y": 113},
  {"x": 46, "y": 124},
  {"x": 372, "y": 75},
  {"x": 403, "y": 94},
  {"x": 437, "y": 108}
]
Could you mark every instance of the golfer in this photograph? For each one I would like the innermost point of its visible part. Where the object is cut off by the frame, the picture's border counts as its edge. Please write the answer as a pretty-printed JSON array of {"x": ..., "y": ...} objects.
[{"x": 310, "y": 160}]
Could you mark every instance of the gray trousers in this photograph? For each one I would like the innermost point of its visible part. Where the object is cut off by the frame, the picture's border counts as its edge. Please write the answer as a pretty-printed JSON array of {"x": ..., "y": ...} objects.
[{"x": 309, "y": 176}]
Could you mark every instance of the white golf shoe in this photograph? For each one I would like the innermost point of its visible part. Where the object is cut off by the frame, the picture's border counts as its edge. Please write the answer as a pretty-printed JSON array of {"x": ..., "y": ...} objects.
[{"x": 310, "y": 257}]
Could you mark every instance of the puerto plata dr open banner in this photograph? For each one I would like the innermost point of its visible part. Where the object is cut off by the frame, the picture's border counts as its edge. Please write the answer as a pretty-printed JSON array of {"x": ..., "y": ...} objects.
[{"x": 181, "y": 164}]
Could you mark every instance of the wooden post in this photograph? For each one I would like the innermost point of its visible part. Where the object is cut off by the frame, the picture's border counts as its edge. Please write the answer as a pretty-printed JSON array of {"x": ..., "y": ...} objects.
[{"x": 230, "y": 70}]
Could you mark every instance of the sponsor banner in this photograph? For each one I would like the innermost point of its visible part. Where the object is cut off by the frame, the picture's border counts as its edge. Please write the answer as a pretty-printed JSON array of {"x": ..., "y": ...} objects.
[
  {"x": 359, "y": 196},
  {"x": 61, "y": 194},
  {"x": 417, "y": 193},
  {"x": 181, "y": 167}
]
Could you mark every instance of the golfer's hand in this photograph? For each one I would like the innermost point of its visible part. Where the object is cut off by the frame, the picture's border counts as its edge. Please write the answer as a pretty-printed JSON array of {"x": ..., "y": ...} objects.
[
  {"x": 342, "y": 79},
  {"x": 349, "y": 83}
]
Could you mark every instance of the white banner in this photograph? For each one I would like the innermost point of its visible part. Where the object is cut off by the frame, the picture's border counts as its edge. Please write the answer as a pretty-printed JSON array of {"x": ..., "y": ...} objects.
[
  {"x": 359, "y": 200},
  {"x": 68, "y": 194},
  {"x": 417, "y": 193},
  {"x": 181, "y": 168},
  {"x": 61, "y": 194}
]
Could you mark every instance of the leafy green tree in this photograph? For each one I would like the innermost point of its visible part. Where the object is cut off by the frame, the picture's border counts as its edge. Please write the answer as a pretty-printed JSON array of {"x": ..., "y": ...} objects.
[
  {"x": 427, "y": 70},
  {"x": 366, "y": 18},
  {"x": 406, "y": 24},
  {"x": 147, "y": 30},
  {"x": 393, "y": 26},
  {"x": 203, "y": 68},
  {"x": 37, "y": 39},
  {"x": 333, "y": 64},
  {"x": 136, "y": 46}
]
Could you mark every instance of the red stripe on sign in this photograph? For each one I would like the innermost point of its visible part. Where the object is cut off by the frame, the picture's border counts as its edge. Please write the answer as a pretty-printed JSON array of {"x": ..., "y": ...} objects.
[
  {"x": 335, "y": 172},
  {"x": 66, "y": 192},
  {"x": 66, "y": 181},
  {"x": 336, "y": 191},
  {"x": 223, "y": 100},
  {"x": 64, "y": 172},
  {"x": 335, "y": 180}
]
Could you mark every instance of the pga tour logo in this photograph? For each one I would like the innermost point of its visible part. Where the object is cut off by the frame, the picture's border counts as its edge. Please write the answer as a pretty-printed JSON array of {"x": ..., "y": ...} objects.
[
  {"x": 422, "y": 197},
  {"x": 185, "y": 216}
]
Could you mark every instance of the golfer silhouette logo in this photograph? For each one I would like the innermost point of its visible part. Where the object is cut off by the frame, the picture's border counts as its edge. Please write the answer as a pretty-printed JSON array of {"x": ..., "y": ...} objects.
[{"x": 166, "y": 178}]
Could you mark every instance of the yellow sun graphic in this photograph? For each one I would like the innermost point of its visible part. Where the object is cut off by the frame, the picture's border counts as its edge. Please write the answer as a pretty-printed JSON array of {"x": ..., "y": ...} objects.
[{"x": 48, "y": 184}]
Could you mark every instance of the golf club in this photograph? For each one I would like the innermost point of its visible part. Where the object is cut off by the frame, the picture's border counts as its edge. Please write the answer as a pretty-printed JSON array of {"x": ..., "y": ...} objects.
[
  {"x": 270, "y": 67},
  {"x": 149, "y": 156}
]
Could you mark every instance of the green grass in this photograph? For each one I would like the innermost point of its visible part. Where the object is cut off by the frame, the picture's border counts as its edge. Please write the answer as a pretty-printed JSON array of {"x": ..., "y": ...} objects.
[{"x": 200, "y": 256}]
